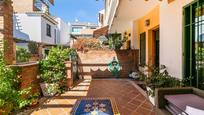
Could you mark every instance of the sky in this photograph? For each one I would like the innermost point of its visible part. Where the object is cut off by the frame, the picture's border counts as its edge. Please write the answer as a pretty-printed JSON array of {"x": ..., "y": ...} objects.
[{"x": 82, "y": 10}]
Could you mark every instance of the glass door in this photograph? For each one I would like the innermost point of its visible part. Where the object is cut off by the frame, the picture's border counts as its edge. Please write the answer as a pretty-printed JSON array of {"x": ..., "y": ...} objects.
[
  {"x": 194, "y": 43},
  {"x": 198, "y": 44},
  {"x": 156, "y": 47}
]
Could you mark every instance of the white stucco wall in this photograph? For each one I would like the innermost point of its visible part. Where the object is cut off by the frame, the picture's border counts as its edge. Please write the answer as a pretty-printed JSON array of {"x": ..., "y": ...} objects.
[
  {"x": 27, "y": 27},
  {"x": 45, "y": 38},
  {"x": 171, "y": 36},
  {"x": 63, "y": 32},
  {"x": 32, "y": 27},
  {"x": 130, "y": 10}
]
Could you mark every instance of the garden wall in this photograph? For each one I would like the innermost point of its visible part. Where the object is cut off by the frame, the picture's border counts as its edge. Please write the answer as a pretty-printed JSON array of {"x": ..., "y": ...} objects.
[
  {"x": 6, "y": 31},
  {"x": 94, "y": 63},
  {"x": 28, "y": 76}
]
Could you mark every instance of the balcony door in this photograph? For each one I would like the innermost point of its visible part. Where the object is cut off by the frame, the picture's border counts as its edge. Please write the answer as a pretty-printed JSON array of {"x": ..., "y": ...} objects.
[
  {"x": 194, "y": 43},
  {"x": 156, "y": 51}
]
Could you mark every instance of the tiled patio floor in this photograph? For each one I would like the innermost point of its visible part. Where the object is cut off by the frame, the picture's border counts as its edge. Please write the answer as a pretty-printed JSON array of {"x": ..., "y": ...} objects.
[{"x": 128, "y": 99}]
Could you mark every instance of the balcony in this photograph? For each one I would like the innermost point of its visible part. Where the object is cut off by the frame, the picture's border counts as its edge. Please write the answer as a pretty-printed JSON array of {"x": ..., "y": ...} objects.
[{"x": 42, "y": 5}]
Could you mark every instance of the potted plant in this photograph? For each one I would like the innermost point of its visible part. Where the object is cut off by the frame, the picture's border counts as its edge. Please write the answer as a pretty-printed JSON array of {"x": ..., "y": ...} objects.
[
  {"x": 115, "y": 41},
  {"x": 160, "y": 79},
  {"x": 52, "y": 71}
]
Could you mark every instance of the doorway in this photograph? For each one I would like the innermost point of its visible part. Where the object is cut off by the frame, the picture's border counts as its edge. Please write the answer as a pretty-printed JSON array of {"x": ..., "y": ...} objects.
[
  {"x": 156, "y": 42},
  {"x": 143, "y": 49}
]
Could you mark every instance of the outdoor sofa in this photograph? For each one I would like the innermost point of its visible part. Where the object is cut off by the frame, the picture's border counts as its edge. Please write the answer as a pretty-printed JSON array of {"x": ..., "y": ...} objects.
[{"x": 187, "y": 96}]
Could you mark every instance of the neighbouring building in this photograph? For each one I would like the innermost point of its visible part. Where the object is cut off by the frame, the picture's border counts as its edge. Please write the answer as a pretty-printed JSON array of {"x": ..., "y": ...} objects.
[
  {"x": 35, "y": 26},
  {"x": 62, "y": 32},
  {"x": 32, "y": 22},
  {"x": 167, "y": 32},
  {"x": 103, "y": 28},
  {"x": 101, "y": 18},
  {"x": 82, "y": 29}
]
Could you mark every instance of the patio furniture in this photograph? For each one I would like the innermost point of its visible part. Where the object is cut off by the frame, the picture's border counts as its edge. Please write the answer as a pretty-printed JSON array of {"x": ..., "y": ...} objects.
[{"x": 181, "y": 100}]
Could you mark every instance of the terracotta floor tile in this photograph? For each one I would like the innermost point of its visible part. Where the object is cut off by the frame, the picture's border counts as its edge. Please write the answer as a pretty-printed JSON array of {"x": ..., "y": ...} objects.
[
  {"x": 143, "y": 111},
  {"x": 147, "y": 105},
  {"x": 153, "y": 113},
  {"x": 40, "y": 112},
  {"x": 132, "y": 106},
  {"x": 128, "y": 99}
]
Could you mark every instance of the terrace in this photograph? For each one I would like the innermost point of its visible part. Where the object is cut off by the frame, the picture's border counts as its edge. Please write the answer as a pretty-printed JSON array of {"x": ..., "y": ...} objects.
[
  {"x": 114, "y": 74},
  {"x": 128, "y": 98}
]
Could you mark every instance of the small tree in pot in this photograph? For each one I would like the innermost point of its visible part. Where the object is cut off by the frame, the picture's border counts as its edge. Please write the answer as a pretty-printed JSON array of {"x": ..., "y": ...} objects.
[{"x": 52, "y": 71}]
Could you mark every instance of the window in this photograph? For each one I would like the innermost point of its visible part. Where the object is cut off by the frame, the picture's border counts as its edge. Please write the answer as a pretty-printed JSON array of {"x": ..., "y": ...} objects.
[
  {"x": 143, "y": 49},
  {"x": 48, "y": 30},
  {"x": 93, "y": 27},
  {"x": 76, "y": 29},
  {"x": 55, "y": 35}
]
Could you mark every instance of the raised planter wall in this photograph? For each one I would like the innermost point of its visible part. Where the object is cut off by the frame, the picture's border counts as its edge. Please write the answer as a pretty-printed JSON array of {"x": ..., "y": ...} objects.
[
  {"x": 94, "y": 63},
  {"x": 71, "y": 70},
  {"x": 28, "y": 74}
]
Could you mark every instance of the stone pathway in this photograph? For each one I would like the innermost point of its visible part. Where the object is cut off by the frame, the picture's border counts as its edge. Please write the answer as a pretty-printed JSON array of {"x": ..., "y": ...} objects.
[{"x": 128, "y": 98}]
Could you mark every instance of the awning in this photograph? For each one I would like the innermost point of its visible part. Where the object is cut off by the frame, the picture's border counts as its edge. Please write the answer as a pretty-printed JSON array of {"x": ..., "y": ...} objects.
[{"x": 101, "y": 32}]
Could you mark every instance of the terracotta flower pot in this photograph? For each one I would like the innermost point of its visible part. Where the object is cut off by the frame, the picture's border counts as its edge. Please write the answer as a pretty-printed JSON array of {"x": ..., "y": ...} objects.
[{"x": 49, "y": 89}]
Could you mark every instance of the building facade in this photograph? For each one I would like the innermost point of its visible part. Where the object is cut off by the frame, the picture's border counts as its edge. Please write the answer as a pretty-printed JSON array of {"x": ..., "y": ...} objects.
[
  {"x": 32, "y": 21},
  {"x": 35, "y": 26},
  {"x": 167, "y": 32},
  {"x": 62, "y": 32},
  {"x": 82, "y": 29}
]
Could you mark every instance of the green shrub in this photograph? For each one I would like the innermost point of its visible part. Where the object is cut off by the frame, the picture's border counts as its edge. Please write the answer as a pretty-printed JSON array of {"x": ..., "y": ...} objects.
[
  {"x": 115, "y": 41},
  {"x": 52, "y": 70},
  {"x": 161, "y": 80},
  {"x": 22, "y": 55},
  {"x": 33, "y": 47},
  {"x": 11, "y": 97}
]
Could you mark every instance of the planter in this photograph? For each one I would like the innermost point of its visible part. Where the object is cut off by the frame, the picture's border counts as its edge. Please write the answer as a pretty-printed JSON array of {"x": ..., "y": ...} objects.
[
  {"x": 6, "y": 109},
  {"x": 151, "y": 98},
  {"x": 34, "y": 103},
  {"x": 49, "y": 89}
]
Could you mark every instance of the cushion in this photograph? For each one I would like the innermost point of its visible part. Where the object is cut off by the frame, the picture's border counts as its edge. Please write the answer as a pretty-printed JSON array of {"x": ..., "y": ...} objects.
[{"x": 189, "y": 103}]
